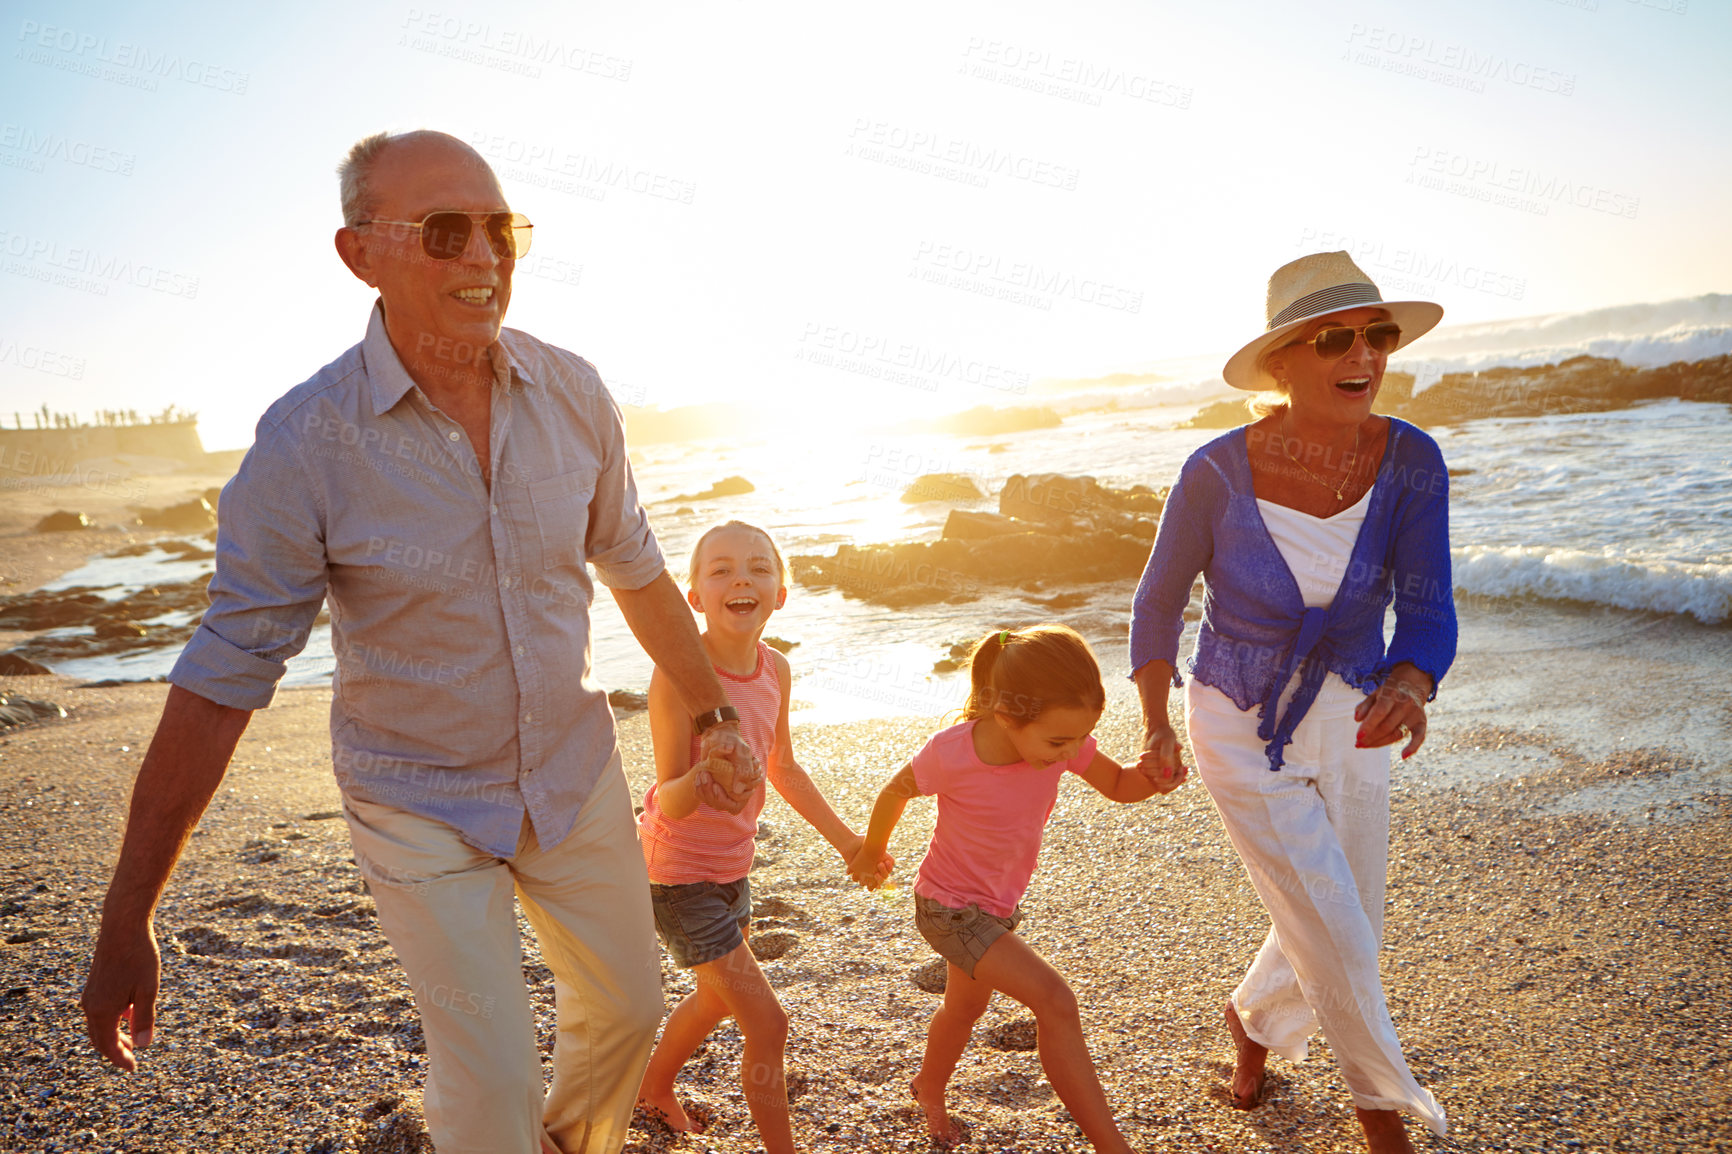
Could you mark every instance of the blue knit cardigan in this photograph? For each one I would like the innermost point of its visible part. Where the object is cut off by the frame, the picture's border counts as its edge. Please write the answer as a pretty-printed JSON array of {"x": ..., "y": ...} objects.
[{"x": 1256, "y": 629}]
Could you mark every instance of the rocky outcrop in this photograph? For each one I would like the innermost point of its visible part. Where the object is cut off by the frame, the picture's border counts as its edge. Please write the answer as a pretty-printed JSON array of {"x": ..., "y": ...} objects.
[
  {"x": 1050, "y": 530},
  {"x": 194, "y": 516},
  {"x": 105, "y": 626},
  {"x": 62, "y": 522},
  {"x": 15, "y": 664},
  {"x": 726, "y": 487},
  {"x": 942, "y": 487},
  {"x": 15, "y": 710}
]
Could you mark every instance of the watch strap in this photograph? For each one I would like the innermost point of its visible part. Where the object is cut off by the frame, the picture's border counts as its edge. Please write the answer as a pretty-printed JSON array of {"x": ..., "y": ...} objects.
[{"x": 714, "y": 718}]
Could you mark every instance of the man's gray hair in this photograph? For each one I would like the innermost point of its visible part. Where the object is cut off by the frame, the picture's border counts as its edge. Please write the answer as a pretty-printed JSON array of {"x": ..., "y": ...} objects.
[{"x": 353, "y": 175}]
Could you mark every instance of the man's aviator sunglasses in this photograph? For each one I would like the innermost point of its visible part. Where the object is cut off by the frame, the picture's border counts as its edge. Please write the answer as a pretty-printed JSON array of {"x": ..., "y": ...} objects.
[
  {"x": 444, "y": 235},
  {"x": 1333, "y": 343}
]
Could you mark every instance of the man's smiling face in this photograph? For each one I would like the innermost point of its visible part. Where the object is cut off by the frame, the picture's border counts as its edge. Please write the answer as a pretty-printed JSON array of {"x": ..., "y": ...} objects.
[{"x": 434, "y": 309}]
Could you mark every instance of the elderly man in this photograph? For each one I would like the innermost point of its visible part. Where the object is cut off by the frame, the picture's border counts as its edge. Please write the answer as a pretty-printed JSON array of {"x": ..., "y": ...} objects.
[{"x": 443, "y": 484}]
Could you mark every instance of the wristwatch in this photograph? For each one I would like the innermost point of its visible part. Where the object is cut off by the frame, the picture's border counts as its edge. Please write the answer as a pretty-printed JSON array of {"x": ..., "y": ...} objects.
[{"x": 714, "y": 718}]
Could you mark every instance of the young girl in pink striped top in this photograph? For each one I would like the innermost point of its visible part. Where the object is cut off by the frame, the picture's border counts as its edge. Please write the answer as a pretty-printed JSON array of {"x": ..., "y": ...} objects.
[
  {"x": 699, "y": 856},
  {"x": 1036, "y": 697}
]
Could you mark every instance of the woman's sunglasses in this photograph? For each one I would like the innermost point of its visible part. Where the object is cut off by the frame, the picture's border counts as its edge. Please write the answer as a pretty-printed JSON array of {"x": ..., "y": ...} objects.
[
  {"x": 1333, "y": 343},
  {"x": 444, "y": 235}
]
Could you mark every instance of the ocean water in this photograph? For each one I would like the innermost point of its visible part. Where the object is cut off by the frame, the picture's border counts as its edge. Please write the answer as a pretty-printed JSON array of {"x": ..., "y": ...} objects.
[{"x": 1618, "y": 519}]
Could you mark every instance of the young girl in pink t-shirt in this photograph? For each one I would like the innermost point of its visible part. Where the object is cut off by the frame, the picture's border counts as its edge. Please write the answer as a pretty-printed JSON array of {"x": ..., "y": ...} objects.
[
  {"x": 699, "y": 855},
  {"x": 1035, "y": 699}
]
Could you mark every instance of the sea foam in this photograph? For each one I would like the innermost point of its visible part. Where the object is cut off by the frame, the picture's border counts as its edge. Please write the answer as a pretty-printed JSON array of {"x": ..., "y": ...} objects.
[
  {"x": 1644, "y": 336},
  {"x": 1702, "y": 590}
]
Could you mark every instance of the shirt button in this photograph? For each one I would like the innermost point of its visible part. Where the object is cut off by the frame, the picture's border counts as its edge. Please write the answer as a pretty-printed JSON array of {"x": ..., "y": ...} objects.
[
  {"x": 493, "y": 509},
  {"x": 452, "y": 435},
  {"x": 528, "y": 717},
  {"x": 520, "y": 651}
]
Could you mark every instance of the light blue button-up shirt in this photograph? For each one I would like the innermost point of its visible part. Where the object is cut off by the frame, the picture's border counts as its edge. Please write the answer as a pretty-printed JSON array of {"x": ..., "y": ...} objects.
[{"x": 459, "y": 615}]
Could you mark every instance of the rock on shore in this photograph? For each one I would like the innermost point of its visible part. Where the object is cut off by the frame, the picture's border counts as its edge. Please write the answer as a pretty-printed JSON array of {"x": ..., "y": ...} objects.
[{"x": 1050, "y": 529}]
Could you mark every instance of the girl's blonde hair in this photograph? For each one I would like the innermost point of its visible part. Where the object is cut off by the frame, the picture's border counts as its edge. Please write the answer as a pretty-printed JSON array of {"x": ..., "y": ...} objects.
[
  {"x": 1022, "y": 672},
  {"x": 698, "y": 549}
]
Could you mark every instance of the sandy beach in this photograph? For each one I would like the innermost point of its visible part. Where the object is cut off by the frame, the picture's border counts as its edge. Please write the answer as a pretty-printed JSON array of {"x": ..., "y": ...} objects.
[{"x": 1556, "y": 948}]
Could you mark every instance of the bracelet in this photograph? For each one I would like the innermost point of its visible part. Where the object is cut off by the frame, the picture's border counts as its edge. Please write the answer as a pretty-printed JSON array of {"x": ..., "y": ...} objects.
[
  {"x": 714, "y": 718},
  {"x": 1408, "y": 692}
]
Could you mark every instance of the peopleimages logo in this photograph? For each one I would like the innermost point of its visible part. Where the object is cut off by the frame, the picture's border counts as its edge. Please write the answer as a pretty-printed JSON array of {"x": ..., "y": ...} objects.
[
  {"x": 88, "y": 269},
  {"x": 1018, "y": 282},
  {"x": 548, "y": 165},
  {"x": 506, "y": 49},
  {"x": 1455, "y": 65},
  {"x": 933, "y": 153},
  {"x": 1065, "y": 77},
  {"x": 41, "y": 360},
  {"x": 1520, "y": 186},
  {"x": 45, "y": 146},
  {"x": 97, "y": 56}
]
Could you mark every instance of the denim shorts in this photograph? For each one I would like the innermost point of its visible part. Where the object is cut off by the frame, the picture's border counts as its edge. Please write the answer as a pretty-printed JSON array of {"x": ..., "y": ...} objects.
[
  {"x": 961, "y": 936},
  {"x": 701, "y": 921}
]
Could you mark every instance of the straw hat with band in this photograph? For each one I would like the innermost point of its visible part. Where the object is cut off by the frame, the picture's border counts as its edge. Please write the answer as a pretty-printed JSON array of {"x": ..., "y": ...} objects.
[{"x": 1315, "y": 286}]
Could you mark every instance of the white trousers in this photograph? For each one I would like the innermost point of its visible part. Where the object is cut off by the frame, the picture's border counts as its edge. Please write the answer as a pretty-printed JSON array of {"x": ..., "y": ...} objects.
[
  {"x": 447, "y": 910},
  {"x": 1314, "y": 838}
]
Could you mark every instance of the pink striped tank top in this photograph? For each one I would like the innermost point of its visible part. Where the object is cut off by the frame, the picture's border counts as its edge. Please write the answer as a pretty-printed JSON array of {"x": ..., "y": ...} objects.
[{"x": 710, "y": 845}]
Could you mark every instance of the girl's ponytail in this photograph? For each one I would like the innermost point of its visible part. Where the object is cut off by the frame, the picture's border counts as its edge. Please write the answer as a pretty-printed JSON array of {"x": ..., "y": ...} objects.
[
  {"x": 1021, "y": 672},
  {"x": 981, "y": 699}
]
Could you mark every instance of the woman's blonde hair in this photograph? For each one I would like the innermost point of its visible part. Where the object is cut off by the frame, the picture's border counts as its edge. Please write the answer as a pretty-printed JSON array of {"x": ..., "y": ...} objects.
[
  {"x": 1269, "y": 400},
  {"x": 1023, "y": 672}
]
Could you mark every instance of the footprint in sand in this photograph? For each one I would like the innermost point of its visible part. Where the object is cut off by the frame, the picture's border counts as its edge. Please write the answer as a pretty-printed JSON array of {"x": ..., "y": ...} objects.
[
  {"x": 771, "y": 906},
  {"x": 1017, "y": 1035},
  {"x": 775, "y": 944},
  {"x": 933, "y": 976}
]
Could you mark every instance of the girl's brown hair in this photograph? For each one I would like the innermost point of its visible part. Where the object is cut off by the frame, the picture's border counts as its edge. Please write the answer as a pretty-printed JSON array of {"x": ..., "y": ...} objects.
[{"x": 1021, "y": 672}]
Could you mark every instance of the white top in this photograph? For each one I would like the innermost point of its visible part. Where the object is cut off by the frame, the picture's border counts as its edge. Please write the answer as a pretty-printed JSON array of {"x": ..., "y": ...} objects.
[{"x": 1316, "y": 549}]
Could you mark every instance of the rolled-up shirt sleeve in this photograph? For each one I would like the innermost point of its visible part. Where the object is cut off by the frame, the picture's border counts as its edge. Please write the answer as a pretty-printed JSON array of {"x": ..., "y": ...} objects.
[
  {"x": 271, "y": 574},
  {"x": 619, "y": 542},
  {"x": 1181, "y": 551}
]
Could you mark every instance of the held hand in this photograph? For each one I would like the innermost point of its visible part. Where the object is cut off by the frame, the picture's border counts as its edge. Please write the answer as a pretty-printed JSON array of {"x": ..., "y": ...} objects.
[
  {"x": 724, "y": 741},
  {"x": 122, "y": 986},
  {"x": 869, "y": 871},
  {"x": 711, "y": 793},
  {"x": 1163, "y": 758},
  {"x": 1395, "y": 711}
]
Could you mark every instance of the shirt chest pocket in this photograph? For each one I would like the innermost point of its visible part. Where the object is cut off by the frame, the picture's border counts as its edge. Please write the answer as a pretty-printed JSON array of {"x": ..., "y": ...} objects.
[{"x": 561, "y": 507}]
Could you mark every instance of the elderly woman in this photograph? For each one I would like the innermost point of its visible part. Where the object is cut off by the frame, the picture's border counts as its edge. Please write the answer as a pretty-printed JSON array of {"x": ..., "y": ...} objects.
[{"x": 1304, "y": 524}]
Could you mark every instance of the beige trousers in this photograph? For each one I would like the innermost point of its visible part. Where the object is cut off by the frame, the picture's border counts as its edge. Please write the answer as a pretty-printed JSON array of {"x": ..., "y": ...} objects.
[
  {"x": 447, "y": 910},
  {"x": 1314, "y": 838}
]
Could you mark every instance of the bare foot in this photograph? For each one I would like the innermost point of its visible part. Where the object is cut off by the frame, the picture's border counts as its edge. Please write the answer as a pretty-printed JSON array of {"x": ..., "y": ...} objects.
[
  {"x": 1248, "y": 1073},
  {"x": 668, "y": 1109},
  {"x": 1384, "y": 1133},
  {"x": 939, "y": 1127}
]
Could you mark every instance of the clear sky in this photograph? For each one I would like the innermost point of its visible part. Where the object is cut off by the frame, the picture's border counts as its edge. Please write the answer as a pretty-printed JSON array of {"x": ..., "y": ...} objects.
[{"x": 731, "y": 199}]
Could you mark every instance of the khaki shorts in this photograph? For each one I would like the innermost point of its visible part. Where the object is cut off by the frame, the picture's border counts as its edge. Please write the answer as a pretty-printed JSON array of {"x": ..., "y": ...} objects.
[{"x": 961, "y": 936}]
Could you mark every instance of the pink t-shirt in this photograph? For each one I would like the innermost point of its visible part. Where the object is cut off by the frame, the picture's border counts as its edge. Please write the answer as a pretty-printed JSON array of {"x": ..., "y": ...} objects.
[
  {"x": 711, "y": 845},
  {"x": 990, "y": 821}
]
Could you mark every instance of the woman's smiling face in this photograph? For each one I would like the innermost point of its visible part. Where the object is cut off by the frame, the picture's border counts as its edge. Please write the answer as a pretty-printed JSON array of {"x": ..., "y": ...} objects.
[{"x": 1338, "y": 391}]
